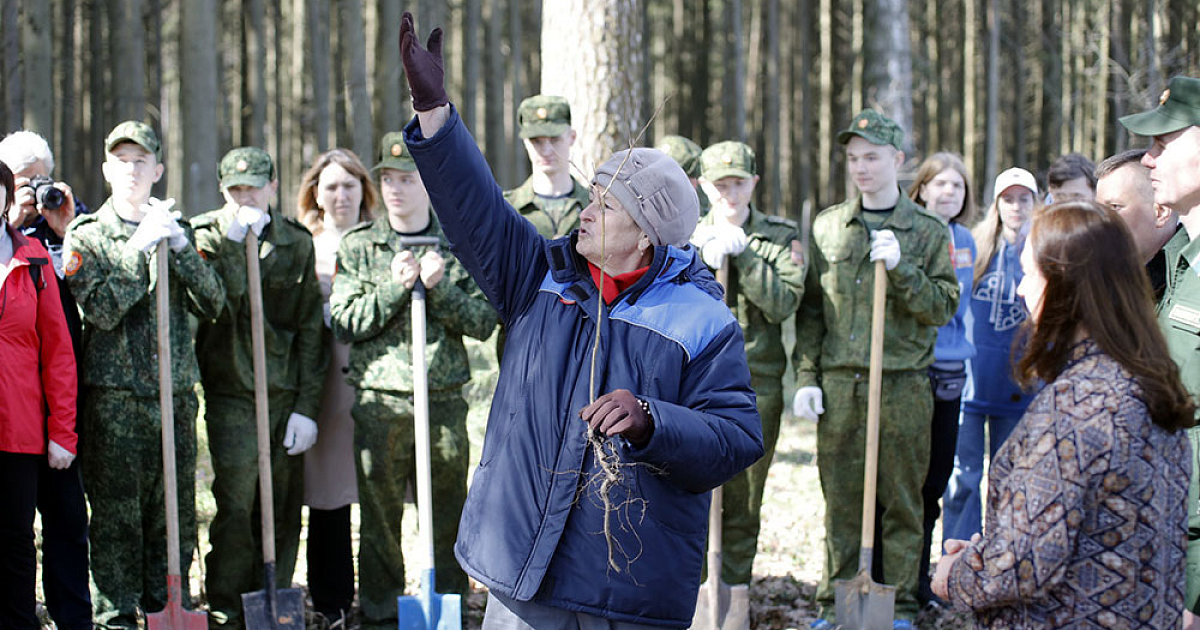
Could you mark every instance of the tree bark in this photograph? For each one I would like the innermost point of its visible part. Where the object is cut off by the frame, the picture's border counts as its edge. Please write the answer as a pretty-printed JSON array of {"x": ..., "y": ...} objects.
[
  {"x": 358, "y": 101},
  {"x": 199, "y": 98},
  {"x": 254, "y": 84},
  {"x": 129, "y": 54},
  {"x": 472, "y": 25},
  {"x": 993, "y": 96},
  {"x": 317, "y": 17},
  {"x": 592, "y": 50},
  {"x": 887, "y": 74},
  {"x": 38, "y": 52},
  {"x": 391, "y": 89}
]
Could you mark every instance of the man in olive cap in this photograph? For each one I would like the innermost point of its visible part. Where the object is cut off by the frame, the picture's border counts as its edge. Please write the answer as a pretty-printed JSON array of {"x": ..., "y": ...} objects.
[
  {"x": 293, "y": 329},
  {"x": 109, "y": 263},
  {"x": 833, "y": 337},
  {"x": 766, "y": 280},
  {"x": 614, "y": 415},
  {"x": 1174, "y": 163},
  {"x": 687, "y": 154},
  {"x": 551, "y": 198}
]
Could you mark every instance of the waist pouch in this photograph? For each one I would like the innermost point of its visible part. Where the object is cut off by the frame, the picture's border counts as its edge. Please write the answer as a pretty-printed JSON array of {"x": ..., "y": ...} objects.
[{"x": 948, "y": 379}]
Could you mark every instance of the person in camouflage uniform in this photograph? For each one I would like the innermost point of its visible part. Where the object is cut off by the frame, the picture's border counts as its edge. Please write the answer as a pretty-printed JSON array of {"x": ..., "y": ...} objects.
[
  {"x": 110, "y": 266},
  {"x": 370, "y": 308},
  {"x": 293, "y": 328},
  {"x": 766, "y": 278},
  {"x": 832, "y": 355},
  {"x": 551, "y": 199},
  {"x": 687, "y": 154}
]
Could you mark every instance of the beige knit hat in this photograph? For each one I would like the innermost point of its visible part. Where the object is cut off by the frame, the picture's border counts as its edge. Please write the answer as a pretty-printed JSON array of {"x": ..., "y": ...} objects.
[{"x": 655, "y": 191}]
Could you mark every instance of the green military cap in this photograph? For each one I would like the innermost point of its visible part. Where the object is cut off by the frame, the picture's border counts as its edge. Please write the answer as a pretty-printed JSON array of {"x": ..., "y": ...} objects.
[
  {"x": 544, "y": 116},
  {"x": 246, "y": 166},
  {"x": 393, "y": 153},
  {"x": 727, "y": 159},
  {"x": 1178, "y": 108},
  {"x": 137, "y": 132},
  {"x": 683, "y": 151},
  {"x": 875, "y": 128}
]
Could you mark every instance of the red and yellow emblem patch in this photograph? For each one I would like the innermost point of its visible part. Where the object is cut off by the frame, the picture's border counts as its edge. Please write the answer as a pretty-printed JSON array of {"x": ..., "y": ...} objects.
[{"x": 72, "y": 263}]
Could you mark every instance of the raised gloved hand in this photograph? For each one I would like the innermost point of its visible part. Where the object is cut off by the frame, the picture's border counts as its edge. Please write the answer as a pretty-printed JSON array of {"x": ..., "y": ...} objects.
[
  {"x": 301, "y": 434},
  {"x": 808, "y": 403},
  {"x": 729, "y": 241},
  {"x": 59, "y": 457},
  {"x": 423, "y": 66},
  {"x": 619, "y": 412},
  {"x": 885, "y": 247},
  {"x": 247, "y": 218}
]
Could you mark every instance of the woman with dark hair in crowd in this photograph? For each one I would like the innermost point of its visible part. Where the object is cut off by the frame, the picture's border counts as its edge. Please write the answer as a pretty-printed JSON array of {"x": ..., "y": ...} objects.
[
  {"x": 336, "y": 193},
  {"x": 943, "y": 186},
  {"x": 1087, "y": 516},
  {"x": 37, "y": 404}
]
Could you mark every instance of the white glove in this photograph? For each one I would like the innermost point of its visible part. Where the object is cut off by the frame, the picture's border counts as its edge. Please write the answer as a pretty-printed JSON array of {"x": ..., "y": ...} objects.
[
  {"x": 247, "y": 218},
  {"x": 58, "y": 456},
  {"x": 808, "y": 403},
  {"x": 729, "y": 241},
  {"x": 885, "y": 247},
  {"x": 148, "y": 233},
  {"x": 301, "y": 434}
]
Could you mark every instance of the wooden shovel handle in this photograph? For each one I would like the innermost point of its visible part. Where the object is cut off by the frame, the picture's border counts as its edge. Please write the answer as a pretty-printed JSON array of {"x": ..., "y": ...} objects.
[
  {"x": 261, "y": 411},
  {"x": 166, "y": 405},
  {"x": 874, "y": 399}
]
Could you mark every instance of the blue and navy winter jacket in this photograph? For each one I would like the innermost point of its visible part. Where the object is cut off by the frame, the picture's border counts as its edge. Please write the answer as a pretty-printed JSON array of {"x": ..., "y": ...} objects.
[
  {"x": 994, "y": 317},
  {"x": 532, "y": 527}
]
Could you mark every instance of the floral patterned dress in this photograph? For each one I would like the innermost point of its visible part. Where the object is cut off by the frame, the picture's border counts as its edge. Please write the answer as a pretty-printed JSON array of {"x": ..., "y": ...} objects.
[{"x": 1086, "y": 521}]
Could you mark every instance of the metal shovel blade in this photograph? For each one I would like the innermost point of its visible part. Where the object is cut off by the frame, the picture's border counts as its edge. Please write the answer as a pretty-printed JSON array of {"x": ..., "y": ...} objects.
[
  {"x": 861, "y": 604},
  {"x": 429, "y": 610},
  {"x": 732, "y": 605},
  {"x": 285, "y": 613},
  {"x": 174, "y": 616}
]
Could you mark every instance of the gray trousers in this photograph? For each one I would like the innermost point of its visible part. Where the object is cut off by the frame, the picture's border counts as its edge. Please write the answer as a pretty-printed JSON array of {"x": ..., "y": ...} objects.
[{"x": 509, "y": 614}]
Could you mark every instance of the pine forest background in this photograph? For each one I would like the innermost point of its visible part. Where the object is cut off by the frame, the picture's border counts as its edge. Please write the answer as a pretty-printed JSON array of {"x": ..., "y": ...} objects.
[{"x": 1005, "y": 82}]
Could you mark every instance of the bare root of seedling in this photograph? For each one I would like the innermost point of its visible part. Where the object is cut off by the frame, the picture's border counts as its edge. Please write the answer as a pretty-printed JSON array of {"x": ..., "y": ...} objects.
[{"x": 608, "y": 460}]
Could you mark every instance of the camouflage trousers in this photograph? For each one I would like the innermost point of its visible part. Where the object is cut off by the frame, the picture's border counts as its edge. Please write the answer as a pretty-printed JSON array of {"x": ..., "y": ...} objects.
[
  {"x": 235, "y": 563},
  {"x": 386, "y": 464},
  {"x": 907, "y": 405},
  {"x": 742, "y": 502},
  {"x": 123, "y": 474}
]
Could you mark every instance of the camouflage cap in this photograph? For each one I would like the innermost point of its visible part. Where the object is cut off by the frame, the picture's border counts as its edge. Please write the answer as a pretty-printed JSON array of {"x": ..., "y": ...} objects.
[
  {"x": 394, "y": 154},
  {"x": 1178, "y": 108},
  {"x": 683, "y": 151},
  {"x": 728, "y": 159},
  {"x": 874, "y": 128},
  {"x": 246, "y": 166},
  {"x": 544, "y": 116},
  {"x": 134, "y": 131}
]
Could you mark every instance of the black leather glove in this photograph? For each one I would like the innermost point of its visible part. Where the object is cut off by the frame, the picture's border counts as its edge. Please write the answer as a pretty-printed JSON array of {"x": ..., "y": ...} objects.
[
  {"x": 423, "y": 66},
  {"x": 619, "y": 412}
]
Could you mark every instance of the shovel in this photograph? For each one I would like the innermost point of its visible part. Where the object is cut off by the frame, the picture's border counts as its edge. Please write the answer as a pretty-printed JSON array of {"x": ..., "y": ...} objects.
[
  {"x": 173, "y": 617},
  {"x": 428, "y": 610},
  {"x": 271, "y": 608},
  {"x": 720, "y": 606},
  {"x": 860, "y": 603}
]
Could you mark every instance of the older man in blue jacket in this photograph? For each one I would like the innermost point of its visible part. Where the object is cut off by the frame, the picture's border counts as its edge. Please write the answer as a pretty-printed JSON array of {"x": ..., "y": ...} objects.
[{"x": 676, "y": 417}]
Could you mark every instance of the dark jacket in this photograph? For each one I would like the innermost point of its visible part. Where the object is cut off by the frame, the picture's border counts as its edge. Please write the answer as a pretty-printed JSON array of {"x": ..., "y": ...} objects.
[{"x": 532, "y": 527}]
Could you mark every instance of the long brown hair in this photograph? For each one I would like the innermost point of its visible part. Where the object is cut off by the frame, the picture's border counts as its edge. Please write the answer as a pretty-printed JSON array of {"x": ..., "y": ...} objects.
[
  {"x": 987, "y": 233},
  {"x": 932, "y": 167},
  {"x": 306, "y": 201},
  {"x": 1096, "y": 284}
]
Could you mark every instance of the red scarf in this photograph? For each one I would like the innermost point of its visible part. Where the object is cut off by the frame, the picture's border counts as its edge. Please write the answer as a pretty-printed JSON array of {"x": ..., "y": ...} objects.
[{"x": 614, "y": 285}]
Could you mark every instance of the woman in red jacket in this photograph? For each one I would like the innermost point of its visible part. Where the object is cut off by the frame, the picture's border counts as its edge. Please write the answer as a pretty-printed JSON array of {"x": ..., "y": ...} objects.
[{"x": 37, "y": 403}]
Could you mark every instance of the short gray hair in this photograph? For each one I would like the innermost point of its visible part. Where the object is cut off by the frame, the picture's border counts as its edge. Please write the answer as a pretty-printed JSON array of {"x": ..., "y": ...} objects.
[
  {"x": 20, "y": 149},
  {"x": 1132, "y": 156}
]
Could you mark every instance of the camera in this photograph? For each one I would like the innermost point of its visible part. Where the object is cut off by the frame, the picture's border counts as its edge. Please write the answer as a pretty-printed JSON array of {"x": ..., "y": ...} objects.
[{"x": 45, "y": 193}]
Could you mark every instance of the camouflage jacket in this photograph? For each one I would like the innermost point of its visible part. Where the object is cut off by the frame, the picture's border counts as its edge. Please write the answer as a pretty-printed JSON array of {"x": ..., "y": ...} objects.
[
  {"x": 372, "y": 311},
  {"x": 114, "y": 286},
  {"x": 292, "y": 312},
  {"x": 833, "y": 326},
  {"x": 768, "y": 280},
  {"x": 530, "y": 206}
]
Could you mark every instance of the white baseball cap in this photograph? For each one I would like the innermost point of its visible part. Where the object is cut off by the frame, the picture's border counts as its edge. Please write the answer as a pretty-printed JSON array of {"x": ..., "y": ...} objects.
[{"x": 1014, "y": 177}]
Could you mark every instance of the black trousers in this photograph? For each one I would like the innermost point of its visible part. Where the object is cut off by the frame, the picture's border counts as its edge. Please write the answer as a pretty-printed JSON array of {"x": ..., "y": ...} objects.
[
  {"x": 18, "y": 498},
  {"x": 64, "y": 546},
  {"x": 330, "y": 561},
  {"x": 944, "y": 435}
]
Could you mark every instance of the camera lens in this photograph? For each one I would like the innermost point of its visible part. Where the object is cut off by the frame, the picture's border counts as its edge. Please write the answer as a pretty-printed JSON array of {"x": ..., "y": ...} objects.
[{"x": 47, "y": 195}]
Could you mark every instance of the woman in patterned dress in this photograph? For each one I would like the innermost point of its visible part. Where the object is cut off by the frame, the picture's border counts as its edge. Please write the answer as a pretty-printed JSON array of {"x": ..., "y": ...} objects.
[{"x": 1086, "y": 519}]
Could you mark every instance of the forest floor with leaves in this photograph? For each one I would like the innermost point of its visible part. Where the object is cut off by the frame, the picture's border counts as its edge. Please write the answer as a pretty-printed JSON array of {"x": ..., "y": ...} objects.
[{"x": 790, "y": 546}]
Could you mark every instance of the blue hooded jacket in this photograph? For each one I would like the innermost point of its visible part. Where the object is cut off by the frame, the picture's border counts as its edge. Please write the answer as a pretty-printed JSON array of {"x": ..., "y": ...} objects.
[{"x": 532, "y": 527}]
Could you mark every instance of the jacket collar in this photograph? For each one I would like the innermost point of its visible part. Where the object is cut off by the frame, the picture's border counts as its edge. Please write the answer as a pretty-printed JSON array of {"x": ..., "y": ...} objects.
[
  {"x": 901, "y": 218},
  {"x": 670, "y": 264}
]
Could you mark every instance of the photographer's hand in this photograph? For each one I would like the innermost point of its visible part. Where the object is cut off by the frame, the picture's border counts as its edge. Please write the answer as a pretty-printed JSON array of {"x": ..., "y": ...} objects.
[
  {"x": 59, "y": 218},
  {"x": 24, "y": 207}
]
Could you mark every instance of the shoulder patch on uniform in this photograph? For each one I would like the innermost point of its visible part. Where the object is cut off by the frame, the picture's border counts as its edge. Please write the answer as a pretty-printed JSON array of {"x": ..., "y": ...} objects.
[{"x": 72, "y": 263}]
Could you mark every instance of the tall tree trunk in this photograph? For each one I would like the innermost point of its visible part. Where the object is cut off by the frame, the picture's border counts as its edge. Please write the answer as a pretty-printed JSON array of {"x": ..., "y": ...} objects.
[
  {"x": 774, "y": 171},
  {"x": 993, "y": 95},
  {"x": 199, "y": 98},
  {"x": 516, "y": 87},
  {"x": 887, "y": 75},
  {"x": 1050, "y": 128},
  {"x": 65, "y": 137},
  {"x": 317, "y": 16},
  {"x": 254, "y": 83},
  {"x": 391, "y": 89},
  {"x": 472, "y": 25},
  {"x": 358, "y": 101},
  {"x": 970, "y": 86},
  {"x": 11, "y": 25},
  {"x": 494, "y": 104},
  {"x": 129, "y": 54},
  {"x": 592, "y": 49},
  {"x": 98, "y": 117},
  {"x": 337, "y": 79},
  {"x": 1017, "y": 57},
  {"x": 38, "y": 51},
  {"x": 735, "y": 73},
  {"x": 826, "y": 187}
]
